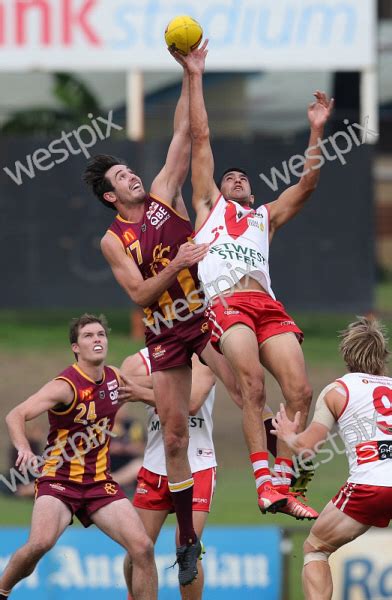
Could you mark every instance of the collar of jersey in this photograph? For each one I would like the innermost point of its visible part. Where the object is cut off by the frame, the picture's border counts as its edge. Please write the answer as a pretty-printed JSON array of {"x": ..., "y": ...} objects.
[{"x": 79, "y": 370}]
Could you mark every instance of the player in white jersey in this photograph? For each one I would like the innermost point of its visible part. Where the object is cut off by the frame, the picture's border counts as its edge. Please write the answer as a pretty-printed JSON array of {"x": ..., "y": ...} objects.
[
  {"x": 360, "y": 403},
  {"x": 248, "y": 325},
  {"x": 152, "y": 498}
]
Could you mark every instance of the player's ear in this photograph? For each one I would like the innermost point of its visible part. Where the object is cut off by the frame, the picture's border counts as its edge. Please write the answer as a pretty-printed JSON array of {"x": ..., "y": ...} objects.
[
  {"x": 75, "y": 348},
  {"x": 110, "y": 197}
]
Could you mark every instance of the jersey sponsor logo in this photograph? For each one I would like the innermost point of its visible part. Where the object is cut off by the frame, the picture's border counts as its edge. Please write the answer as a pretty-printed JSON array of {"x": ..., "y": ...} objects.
[
  {"x": 231, "y": 311},
  {"x": 256, "y": 221},
  {"x": 86, "y": 394},
  {"x": 200, "y": 500},
  {"x": 205, "y": 452},
  {"x": 110, "y": 489},
  {"x": 141, "y": 488},
  {"x": 129, "y": 236},
  {"x": 205, "y": 327},
  {"x": 373, "y": 451},
  {"x": 286, "y": 323},
  {"x": 114, "y": 396},
  {"x": 157, "y": 215},
  {"x": 57, "y": 486},
  {"x": 230, "y": 251},
  {"x": 158, "y": 352},
  {"x": 112, "y": 385}
]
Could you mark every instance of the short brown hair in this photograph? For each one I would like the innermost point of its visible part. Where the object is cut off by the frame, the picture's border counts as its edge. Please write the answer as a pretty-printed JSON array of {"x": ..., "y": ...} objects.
[
  {"x": 85, "y": 319},
  {"x": 364, "y": 346},
  {"x": 95, "y": 176}
]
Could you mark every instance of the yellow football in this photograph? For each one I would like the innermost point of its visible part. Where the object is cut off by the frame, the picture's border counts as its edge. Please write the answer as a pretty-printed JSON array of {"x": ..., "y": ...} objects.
[{"x": 183, "y": 34}]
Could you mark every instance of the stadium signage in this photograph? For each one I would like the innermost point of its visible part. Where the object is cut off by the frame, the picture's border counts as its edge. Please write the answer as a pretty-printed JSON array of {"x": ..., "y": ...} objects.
[
  {"x": 244, "y": 34},
  {"x": 84, "y": 563},
  {"x": 362, "y": 570}
]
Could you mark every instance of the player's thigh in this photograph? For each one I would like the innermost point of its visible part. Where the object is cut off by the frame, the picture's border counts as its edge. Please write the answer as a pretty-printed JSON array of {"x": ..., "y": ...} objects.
[
  {"x": 49, "y": 519},
  {"x": 120, "y": 521},
  {"x": 240, "y": 347},
  {"x": 153, "y": 521},
  {"x": 334, "y": 528},
  {"x": 172, "y": 390},
  {"x": 283, "y": 357}
]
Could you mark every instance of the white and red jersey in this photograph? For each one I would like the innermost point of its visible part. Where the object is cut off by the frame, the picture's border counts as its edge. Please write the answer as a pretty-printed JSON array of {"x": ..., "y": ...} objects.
[
  {"x": 201, "y": 451},
  {"x": 239, "y": 245},
  {"x": 365, "y": 426}
]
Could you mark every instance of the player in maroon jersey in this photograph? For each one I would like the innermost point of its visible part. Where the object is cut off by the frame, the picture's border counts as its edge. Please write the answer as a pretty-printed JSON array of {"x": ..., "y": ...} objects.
[
  {"x": 75, "y": 469},
  {"x": 148, "y": 249}
]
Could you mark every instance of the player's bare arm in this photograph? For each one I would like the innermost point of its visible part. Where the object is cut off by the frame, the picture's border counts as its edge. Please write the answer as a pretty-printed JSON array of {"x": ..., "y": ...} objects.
[
  {"x": 53, "y": 394},
  {"x": 205, "y": 191},
  {"x": 131, "y": 391},
  {"x": 292, "y": 200},
  {"x": 169, "y": 181},
  {"x": 202, "y": 381},
  {"x": 146, "y": 291}
]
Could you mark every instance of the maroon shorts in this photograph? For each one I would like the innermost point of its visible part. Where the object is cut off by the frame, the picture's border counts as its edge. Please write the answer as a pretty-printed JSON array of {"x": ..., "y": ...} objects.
[
  {"x": 83, "y": 499},
  {"x": 264, "y": 315},
  {"x": 173, "y": 347},
  {"x": 152, "y": 491},
  {"x": 367, "y": 504}
]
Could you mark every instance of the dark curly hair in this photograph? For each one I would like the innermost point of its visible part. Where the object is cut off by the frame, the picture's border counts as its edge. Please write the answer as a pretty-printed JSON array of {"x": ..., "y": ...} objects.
[{"x": 95, "y": 175}]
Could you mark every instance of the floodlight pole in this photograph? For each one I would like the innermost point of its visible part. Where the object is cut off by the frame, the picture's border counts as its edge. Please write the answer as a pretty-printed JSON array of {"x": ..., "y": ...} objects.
[
  {"x": 135, "y": 106},
  {"x": 369, "y": 103}
]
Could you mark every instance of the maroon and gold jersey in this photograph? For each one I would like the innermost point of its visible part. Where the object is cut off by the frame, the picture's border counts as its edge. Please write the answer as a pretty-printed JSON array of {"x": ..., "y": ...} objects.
[
  {"x": 152, "y": 243},
  {"x": 79, "y": 436}
]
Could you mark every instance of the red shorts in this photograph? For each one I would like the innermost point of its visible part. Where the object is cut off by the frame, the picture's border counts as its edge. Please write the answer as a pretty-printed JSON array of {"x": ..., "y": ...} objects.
[
  {"x": 83, "y": 499},
  {"x": 367, "y": 504},
  {"x": 173, "y": 347},
  {"x": 265, "y": 316},
  {"x": 152, "y": 491}
]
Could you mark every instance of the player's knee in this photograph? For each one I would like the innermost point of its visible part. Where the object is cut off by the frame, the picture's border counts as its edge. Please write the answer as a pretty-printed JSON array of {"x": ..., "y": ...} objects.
[
  {"x": 252, "y": 387},
  {"x": 316, "y": 549},
  {"x": 144, "y": 553},
  {"x": 176, "y": 441},
  {"x": 37, "y": 548},
  {"x": 299, "y": 396}
]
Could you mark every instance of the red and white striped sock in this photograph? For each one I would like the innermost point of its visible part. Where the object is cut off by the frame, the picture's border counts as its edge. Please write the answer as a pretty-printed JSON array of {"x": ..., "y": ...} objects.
[
  {"x": 261, "y": 470},
  {"x": 284, "y": 471}
]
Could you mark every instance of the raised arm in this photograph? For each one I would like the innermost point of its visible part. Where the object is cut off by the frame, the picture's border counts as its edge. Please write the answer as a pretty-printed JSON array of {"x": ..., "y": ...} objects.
[
  {"x": 52, "y": 394},
  {"x": 146, "y": 291},
  {"x": 169, "y": 181},
  {"x": 205, "y": 191},
  {"x": 291, "y": 201}
]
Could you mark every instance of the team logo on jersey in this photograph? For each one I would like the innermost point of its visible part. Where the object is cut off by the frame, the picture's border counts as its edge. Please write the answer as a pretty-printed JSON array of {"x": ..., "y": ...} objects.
[
  {"x": 205, "y": 327},
  {"x": 110, "y": 489},
  {"x": 157, "y": 215},
  {"x": 102, "y": 394},
  {"x": 112, "y": 385},
  {"x": 86, "y": 394},
  {"x": 158, "y": 352},
  {"x": 158, "y": 258},
  {"x": 365, "y": 380}
]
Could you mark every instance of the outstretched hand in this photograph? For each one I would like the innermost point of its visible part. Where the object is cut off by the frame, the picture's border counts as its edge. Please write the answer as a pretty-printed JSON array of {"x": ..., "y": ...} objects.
[
  {"x": 320, "y": 111},
  {"x": 284, "y": 428},
  {"x": 128, "y": 391},
  {"x": 194, "y": 62}
]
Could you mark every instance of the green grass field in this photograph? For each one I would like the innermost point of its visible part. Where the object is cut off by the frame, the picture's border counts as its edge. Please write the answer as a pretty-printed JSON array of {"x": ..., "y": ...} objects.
[{"x": 30, "y": 333}]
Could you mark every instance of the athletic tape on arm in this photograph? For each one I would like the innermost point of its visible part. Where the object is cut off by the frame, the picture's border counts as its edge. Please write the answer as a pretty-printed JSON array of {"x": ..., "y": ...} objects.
[{"x": 322, "y": 414}]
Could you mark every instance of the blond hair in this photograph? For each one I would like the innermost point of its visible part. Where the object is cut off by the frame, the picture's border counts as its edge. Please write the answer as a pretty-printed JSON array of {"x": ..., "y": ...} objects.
[{"x": 364, "y": 346}]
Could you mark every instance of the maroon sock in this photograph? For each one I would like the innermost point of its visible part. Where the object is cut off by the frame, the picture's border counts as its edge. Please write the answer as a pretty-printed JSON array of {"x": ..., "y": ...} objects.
[
  {"x": 182, "y": 501},
  {"x": 271, "y": 439}
]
